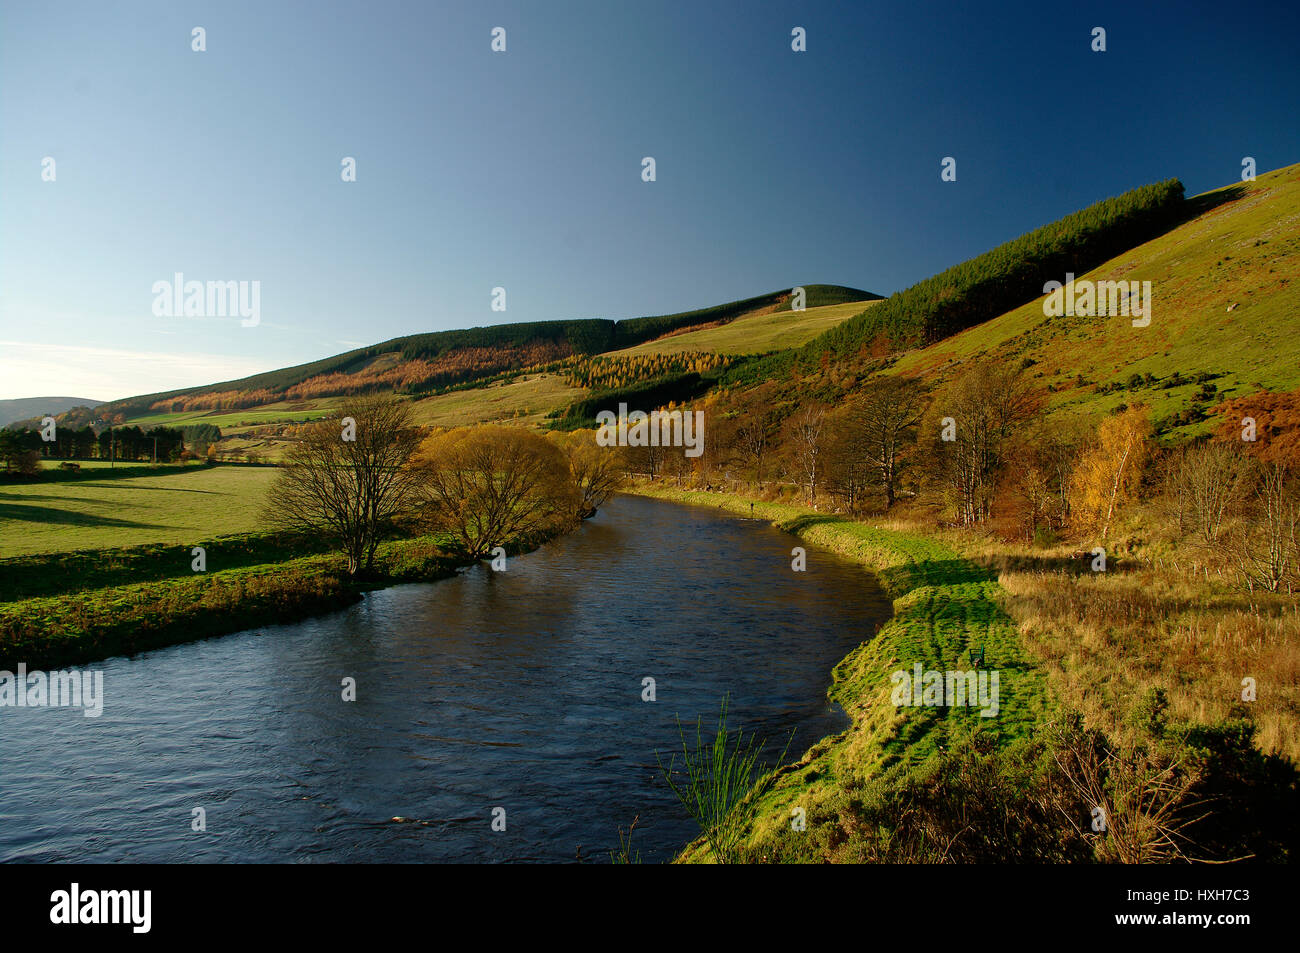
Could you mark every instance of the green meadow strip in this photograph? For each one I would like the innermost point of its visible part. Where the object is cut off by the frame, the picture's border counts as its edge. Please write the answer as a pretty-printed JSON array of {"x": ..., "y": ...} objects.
[
  {"x": 944, "y": 607},
  {"x": 85, "y": 624}
]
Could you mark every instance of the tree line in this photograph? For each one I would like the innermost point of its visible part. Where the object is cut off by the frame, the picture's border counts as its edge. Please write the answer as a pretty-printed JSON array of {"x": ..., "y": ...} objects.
[
  {"x": 980, "y": 452},
  {"x": 22, "y": 449}
]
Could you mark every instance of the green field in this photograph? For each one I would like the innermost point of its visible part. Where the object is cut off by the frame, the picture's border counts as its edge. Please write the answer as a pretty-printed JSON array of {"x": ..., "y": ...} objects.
[
  {"x": 101, "y": 512},
  {"x": 52, "y": 465},
  {"x": 755, "y": 334}
]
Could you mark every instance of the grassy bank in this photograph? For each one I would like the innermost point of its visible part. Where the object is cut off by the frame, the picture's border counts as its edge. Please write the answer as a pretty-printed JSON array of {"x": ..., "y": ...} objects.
[
  {"x": 944, "y": 606},
  {"x": 73, "y": 608}
]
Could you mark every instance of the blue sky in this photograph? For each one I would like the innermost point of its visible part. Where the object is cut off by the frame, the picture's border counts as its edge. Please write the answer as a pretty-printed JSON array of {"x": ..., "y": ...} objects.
[{"x": 522, "y": 169}]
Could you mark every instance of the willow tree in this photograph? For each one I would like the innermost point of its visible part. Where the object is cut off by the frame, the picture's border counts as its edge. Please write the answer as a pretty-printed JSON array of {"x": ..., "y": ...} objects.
[
  {"x": 491, "y": 486},
  {"x": 349, "y": 478},
  {"x": 597, "y": 471}
]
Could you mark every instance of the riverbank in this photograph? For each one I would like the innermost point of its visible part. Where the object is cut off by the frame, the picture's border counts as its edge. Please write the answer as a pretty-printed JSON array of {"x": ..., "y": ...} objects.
[
  {"x": 945, "y": 607},
  {"x": 73, "y": 608}
]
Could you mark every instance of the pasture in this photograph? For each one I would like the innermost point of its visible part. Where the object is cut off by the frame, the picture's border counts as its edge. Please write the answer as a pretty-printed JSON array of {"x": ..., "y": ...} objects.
[{"x": 102, "y": 510}]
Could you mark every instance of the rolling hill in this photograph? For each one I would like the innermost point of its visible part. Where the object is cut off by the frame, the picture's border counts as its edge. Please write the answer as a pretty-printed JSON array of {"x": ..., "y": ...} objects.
[
  {"x": 1221, "y": 267},
  {"x": 25, "y": 408},
  {"x": 426, "y": 364},
  {"x": 515, "y": 372}
]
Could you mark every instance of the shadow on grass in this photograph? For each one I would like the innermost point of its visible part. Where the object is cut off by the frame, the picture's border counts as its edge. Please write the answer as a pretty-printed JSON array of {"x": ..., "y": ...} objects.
[
  {"x": 153, "y": 489},
  {"x": 1200, "y": 204},
  {"x": 937, "y": 572},
  {"x": 1080, "y": 565},
  {"x": 49, "y": 514},
  {"x": 811, "y": 519},
  {"x": 125, "y": 471}
]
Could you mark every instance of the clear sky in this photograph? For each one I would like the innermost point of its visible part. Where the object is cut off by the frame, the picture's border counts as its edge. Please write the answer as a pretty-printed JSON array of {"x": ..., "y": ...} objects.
[{"x": 522, "y": 169}]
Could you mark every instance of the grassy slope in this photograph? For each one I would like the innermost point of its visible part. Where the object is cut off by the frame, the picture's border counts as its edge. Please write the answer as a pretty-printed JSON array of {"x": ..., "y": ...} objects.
[
  {"x": 944, "y": 605},
  {"x": 526, "y": 400},
  {"x": 387, "y": 353},
  {"x": 756, "y": 333},
  {"x": 230, "y": 420},
  {"x": 1245, "y": 250},
  {"x": 95, "y": 512}
]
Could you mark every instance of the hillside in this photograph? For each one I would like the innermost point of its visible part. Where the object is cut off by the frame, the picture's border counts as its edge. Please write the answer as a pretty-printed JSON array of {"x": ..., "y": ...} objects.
[
  {"x": 26, "y": 408},
  {"x": 426, "y": 364},
  {"x": 1219, "y": 266},
  {"x": 1223, "y": 310},
  {"x": 517, "y": 372},
  {"x": 756, "y": 333}
]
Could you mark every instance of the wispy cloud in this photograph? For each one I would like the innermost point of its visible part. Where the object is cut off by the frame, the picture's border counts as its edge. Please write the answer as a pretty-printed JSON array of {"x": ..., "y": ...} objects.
[{"x": 30, "y": 369}]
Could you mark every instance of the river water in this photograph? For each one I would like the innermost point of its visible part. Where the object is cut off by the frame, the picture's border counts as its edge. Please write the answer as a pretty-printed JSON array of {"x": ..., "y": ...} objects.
[{"x": 520, "y": 690}]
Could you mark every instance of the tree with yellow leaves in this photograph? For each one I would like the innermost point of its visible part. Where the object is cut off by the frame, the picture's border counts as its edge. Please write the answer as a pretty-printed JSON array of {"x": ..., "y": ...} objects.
[{"x": 1108, "y": 475}]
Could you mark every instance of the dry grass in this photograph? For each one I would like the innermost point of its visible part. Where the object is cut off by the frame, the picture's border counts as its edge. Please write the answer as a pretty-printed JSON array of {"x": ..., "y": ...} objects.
[
  {"x": 1167, "y": 614},
  {"x": 1106, "y": 638}
]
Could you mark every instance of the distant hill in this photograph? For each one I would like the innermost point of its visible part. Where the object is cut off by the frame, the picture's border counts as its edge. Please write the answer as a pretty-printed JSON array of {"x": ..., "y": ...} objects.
[
  {"x": 422, "y": 364},
  {"x": 24, "y": 408}
]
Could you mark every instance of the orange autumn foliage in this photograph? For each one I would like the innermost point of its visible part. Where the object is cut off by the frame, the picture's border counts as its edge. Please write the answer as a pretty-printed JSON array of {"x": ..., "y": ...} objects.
[{"x": 1277, "y": 424}]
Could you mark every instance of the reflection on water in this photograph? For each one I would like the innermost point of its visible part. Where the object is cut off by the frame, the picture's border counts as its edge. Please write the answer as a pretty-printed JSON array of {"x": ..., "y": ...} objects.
[{"x": 519, "y": 690}]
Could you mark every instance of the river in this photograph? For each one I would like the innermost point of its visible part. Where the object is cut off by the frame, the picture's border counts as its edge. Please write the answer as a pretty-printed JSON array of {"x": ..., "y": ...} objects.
[{"x": 519, "y": 690}]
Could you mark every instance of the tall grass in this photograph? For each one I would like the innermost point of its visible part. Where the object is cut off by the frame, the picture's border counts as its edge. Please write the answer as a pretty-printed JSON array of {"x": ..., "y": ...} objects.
[{"x": 717, "y": 778}]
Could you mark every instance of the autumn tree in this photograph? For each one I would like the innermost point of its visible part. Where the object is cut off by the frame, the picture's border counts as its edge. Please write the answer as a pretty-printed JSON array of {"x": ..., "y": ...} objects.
[
  {"x": 1109, "y": 473},
  {"x": 349, "y": 479},
  {"x": 1041, "y": 462},
  {"x": 492, "y": 485},
  {"x": 597, "y": 471}
]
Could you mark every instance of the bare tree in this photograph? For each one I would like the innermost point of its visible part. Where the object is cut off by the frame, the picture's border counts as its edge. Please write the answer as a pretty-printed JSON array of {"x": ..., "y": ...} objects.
[
  {"x": 1267, "y": 548},
  {"x": 980, "y": 411},
  {"x": 679, "y": 465},
  {"x": 349, "y": 478},
  {"x": 890, "y": 410},
  {"x": 849, "y": 474},
  {"x": 754, "y": 427},
  {"x": 1203, "y": 484},
  {"x": 644, "y": 459},
  {"x": 807, "y": 439}
]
